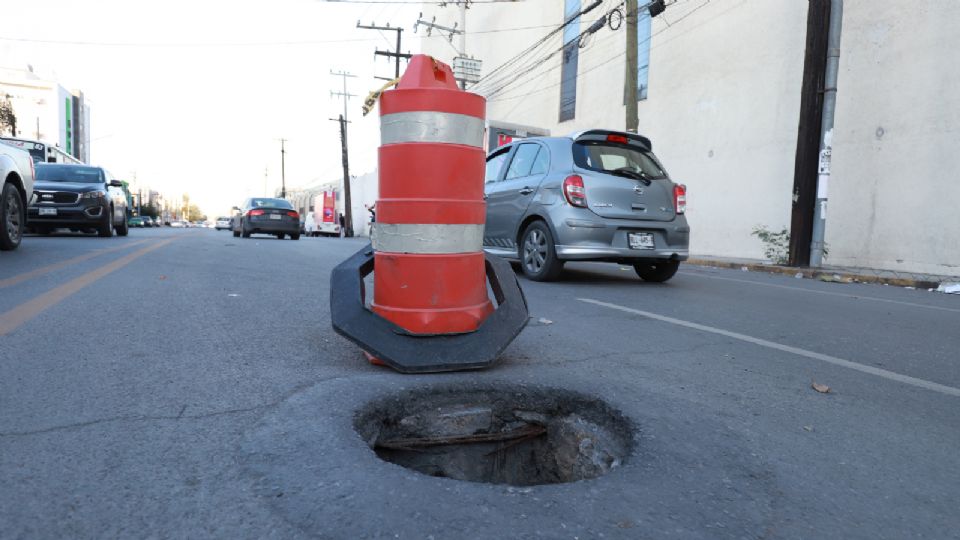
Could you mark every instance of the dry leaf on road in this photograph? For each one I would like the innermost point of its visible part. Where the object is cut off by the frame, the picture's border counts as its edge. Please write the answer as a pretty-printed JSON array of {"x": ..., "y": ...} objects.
[{"x": 822, "y": 388}]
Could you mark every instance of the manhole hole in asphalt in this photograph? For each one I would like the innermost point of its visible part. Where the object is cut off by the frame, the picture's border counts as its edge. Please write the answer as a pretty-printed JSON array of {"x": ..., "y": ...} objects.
[{"x": 508, "y": 435}]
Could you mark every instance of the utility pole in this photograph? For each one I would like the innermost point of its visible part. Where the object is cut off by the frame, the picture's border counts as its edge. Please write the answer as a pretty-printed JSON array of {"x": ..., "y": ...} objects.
[
  {"x": 465, "y": 69},
  {"x": 807, "y": 159},
  {"x": 397, "y": 55},
  {"x": 826, "y": 131},
  {"x": 347, "y": 201},
  {"x": 283, "y": 169},
  {"x": 632, "y": 68}
]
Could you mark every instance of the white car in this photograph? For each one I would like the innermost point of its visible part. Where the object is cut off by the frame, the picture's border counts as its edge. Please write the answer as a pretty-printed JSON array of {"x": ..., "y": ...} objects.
[
  {"x": 16, "y": 194},
  {"x": 222, "y": 223}
]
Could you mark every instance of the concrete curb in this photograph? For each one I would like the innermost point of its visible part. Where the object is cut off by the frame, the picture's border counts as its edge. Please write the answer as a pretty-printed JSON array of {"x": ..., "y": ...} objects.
[{"x": 844, "y": 276}]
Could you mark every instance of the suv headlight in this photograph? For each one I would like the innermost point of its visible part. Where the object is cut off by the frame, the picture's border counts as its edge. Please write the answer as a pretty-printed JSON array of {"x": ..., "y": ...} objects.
[{"x": 95, "y": 195}]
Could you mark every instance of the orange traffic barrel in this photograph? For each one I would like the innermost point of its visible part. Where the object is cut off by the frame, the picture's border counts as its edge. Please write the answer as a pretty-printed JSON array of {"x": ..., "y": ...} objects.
[{"x": 429, "y": 273}]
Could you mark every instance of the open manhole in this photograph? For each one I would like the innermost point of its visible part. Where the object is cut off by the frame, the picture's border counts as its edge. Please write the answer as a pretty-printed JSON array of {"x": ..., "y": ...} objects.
[{"x": 520, "y": 436}]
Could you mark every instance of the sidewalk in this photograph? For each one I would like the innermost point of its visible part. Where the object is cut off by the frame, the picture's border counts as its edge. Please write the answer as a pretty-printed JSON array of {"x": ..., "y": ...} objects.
[{"x": 830, "y": 273}]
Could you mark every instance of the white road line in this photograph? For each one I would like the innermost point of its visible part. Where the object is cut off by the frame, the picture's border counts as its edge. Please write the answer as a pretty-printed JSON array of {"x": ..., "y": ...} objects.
[
  {"x": 829, "y": 293},
  {"x": 906, "y": 379}
]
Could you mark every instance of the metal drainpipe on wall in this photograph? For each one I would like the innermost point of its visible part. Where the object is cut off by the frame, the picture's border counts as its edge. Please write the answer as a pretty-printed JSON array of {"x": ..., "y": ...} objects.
[{"x": 826, "y": 131}]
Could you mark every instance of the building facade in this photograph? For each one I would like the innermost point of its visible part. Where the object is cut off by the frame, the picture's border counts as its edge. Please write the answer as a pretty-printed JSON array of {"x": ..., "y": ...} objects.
[
  {"x": 48, "y": 112},
  {"x": 720, "y": 96}
]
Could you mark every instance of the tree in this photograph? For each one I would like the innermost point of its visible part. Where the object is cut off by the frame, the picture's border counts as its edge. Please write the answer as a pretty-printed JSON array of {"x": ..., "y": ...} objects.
[{"x": 8, "y": 120}]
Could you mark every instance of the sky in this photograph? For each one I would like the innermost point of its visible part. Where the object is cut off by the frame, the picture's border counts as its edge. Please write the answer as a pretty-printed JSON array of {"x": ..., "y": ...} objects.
[{"x": 193, "y": 96}]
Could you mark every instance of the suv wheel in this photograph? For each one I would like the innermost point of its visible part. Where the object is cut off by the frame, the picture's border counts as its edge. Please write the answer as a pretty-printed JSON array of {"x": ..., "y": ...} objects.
[
  {"x": 656, "y": 271},
  {"x": 243, "y": 231},
  {"x": 11, "y": 218},
  {"x": 105, "y": 230},
  {"x": 538, "y": 258},
  {"x": 124, "y": 228}
]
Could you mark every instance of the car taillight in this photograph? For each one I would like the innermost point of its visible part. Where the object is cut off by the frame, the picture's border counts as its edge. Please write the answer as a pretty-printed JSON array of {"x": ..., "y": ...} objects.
[
  {"x": 617, "y": 139},
  {"x": 255, "y": 213},
  {"x": 680, "y": 198},
  {"x": 293, "y": 214},
  {"x": 574, "y": 192}
]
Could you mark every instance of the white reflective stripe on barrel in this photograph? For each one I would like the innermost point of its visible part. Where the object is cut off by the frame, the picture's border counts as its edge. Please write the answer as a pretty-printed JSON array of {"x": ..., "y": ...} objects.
[
  {"x": 426, "y": 238},
  {"x": 431, "y": 127}
]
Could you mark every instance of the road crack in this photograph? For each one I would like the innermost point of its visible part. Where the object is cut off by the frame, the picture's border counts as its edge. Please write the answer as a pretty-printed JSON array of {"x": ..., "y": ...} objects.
[{"x": 161, "y": 418}]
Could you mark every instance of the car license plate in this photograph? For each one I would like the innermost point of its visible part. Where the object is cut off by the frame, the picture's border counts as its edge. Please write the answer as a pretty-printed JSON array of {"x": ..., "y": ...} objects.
[
  {"x": 48, "y": 211},
  {"x": 275, "y": 216},
  {"x": 642, "y": 240}
]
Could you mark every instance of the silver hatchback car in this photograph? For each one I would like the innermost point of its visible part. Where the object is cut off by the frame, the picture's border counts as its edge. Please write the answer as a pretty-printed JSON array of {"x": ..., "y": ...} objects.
[{"x": 593, "y": 196}]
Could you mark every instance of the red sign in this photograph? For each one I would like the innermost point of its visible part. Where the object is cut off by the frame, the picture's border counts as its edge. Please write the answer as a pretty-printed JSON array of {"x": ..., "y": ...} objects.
[
  {"x": 329, "y": 204},
  {"x": 503, "y": 138}
]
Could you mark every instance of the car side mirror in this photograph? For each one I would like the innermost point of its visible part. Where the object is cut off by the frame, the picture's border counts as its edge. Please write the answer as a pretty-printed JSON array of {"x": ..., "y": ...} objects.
[
  {"x": 235, "y": 209},
  {"x": 116, "y": 183}
]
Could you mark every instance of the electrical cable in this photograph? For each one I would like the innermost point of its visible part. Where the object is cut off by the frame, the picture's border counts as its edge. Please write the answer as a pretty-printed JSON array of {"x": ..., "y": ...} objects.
[
  {"x": 605, "y": 62},
  {"x": 539, "y": 42}
]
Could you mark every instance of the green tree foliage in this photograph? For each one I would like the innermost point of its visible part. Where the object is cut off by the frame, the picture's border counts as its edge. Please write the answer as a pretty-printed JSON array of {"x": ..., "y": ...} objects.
[{"x": 8, "y": 120}]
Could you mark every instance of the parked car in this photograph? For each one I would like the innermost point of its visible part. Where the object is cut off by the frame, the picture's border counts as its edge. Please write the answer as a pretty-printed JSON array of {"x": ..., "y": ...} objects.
[
  {"x": 260, "y": 215},
  {"x": 79, "y": 197},
  {"x": 135, "y": 221},
  {"x": 16, "y": 194},
  {"x": 597, "y": 195},
  {"x": 176, "y": 224},
  {"x": 157, "y": 222},
  {"x": 147, "y": 222},
  {"x": 223, "y": 223}
]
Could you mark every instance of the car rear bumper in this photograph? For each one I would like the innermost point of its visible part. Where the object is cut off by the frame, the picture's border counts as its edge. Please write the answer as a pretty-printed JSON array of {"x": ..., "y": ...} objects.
[
  {"x": 593, "y": 238},
  {"x": 273, "y": 227}
]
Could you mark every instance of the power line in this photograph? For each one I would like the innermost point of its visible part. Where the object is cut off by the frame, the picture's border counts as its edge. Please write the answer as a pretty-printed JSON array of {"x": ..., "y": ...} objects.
[
  {"x": 238, "y": 43},
  {"x": 532, "y": 63},
  {"x": 529, "y": 61},
  {"x": 516, "y": 78},
  {"x": 435, "y": 2},
  {"x": 609, "y": 60}
]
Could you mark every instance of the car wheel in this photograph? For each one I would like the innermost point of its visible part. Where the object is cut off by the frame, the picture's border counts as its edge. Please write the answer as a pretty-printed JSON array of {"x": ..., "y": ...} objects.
[
  {"x": 656, "y": 271},
  {"x": 280, "y": 236},
  {"x": 12, "y": 218},
  {"x": 124, "y": 228},
  {"x": 538, "y": 258},
  {"x": 236, "y": 234},
  {"x": 243, "y": 231},
  {"x": 105, "y": 230},
  {"x": 294, "y": 236}
]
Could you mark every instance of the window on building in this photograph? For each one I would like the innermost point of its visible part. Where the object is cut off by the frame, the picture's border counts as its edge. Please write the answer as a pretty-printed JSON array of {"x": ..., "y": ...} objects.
[
  {"x": 568, "y": 62},
  {"x": 643, "y": 52}
]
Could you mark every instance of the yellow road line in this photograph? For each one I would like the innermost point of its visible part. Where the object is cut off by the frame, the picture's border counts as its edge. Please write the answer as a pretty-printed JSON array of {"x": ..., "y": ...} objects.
[
  {"x": 20, "y": 278},
  {"x": 26, "y": 311}
]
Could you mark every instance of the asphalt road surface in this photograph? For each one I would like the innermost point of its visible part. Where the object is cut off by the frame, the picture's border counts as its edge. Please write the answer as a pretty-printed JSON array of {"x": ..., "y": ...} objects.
[{"x": 185, "y": 383}]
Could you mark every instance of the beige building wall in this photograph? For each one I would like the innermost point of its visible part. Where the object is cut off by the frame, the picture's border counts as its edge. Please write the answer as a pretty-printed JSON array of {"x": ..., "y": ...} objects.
[
  {"x": 723, "y": 110},
  {"x": 895, "y": 188}
]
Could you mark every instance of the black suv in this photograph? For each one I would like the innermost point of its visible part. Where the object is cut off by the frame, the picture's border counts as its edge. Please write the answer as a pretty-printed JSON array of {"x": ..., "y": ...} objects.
[{"x": 78, "y": 197}]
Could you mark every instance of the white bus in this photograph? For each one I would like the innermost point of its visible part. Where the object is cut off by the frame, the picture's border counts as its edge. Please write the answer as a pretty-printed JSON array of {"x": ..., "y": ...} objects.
[{"x": 42, "y": 152}]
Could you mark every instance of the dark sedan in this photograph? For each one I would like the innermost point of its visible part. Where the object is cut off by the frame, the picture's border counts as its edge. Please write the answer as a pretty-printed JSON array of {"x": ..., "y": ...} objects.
[
  {"x": 78, "y": 197},
  {"x": 260, "y": 215}
]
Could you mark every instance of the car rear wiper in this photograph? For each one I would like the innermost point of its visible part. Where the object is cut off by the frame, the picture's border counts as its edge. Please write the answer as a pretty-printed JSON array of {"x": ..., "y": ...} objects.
[{"x": 630, "y": 173}]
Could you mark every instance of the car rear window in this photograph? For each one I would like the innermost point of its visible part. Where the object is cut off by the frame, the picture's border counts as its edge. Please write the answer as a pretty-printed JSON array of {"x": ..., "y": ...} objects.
[
  {"x": 604, "y": 156},
  {"x": 69, "y": 173},
  {"x": 271, "y": 203}
]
